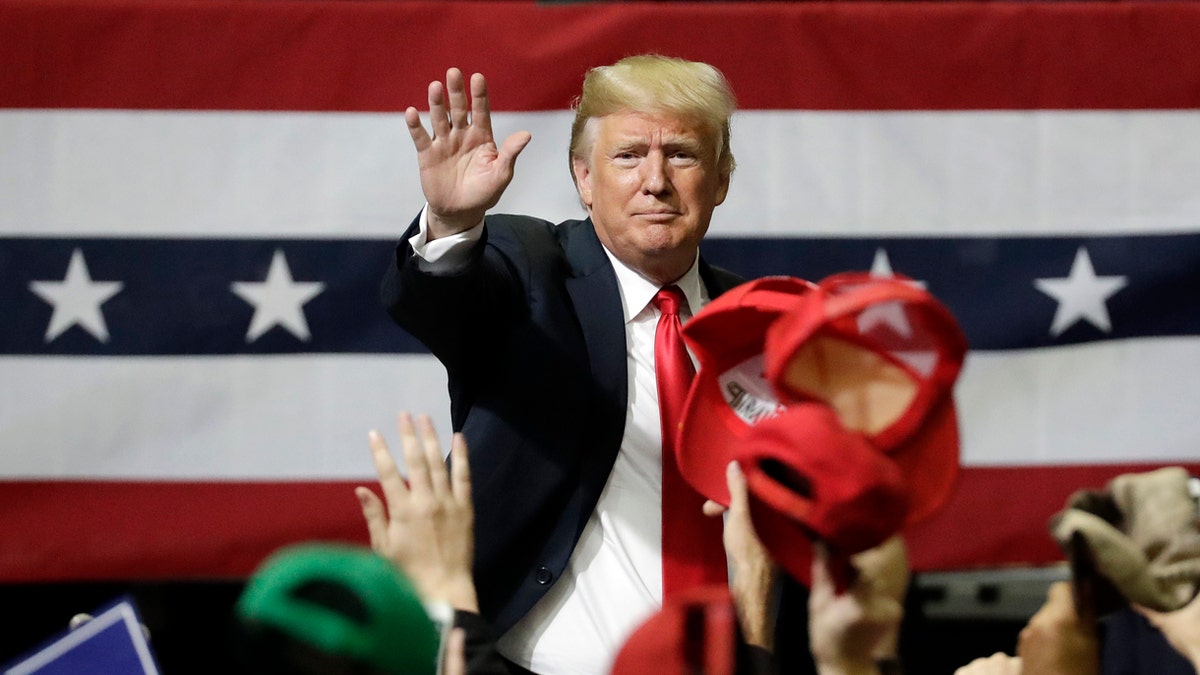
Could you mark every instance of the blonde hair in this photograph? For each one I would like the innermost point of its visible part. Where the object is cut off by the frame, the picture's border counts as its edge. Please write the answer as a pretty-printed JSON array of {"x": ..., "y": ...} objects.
[{"x": 656, "y": 84}]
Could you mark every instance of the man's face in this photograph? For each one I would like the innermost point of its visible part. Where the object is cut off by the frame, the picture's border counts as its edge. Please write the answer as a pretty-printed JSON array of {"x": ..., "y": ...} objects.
[{"x": 650, "y": 184}]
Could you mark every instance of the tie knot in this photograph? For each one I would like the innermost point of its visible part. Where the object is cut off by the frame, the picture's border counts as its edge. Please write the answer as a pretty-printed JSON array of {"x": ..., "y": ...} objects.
[{"x": 668, "y": 299}]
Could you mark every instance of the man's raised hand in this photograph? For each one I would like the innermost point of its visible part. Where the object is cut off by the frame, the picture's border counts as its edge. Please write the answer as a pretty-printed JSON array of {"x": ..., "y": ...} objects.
[{"x": 463, "y": 172}]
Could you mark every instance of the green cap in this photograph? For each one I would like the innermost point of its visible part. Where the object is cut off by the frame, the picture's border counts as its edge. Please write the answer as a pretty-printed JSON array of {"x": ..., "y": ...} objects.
[{"x": 343, "y": 600}]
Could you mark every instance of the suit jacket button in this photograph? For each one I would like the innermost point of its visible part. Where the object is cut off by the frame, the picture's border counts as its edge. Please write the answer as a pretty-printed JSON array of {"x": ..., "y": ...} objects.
[{"x": 543, "y": 575}]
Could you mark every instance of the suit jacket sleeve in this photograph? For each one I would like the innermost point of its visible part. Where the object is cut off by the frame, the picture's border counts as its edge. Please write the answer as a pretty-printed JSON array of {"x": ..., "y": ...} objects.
[{"x": 452, "y": 314}]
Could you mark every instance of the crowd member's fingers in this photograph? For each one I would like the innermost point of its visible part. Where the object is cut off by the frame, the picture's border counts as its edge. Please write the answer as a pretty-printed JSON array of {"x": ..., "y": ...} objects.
[
  {"x": 414, "y": 457},
  {"x": 373, "y": 512},
  {"x": 455, "y": 661},
  {"x": 434, "y": 462},
  {"x": 996, "y": 664},
  {"x": 391, "y": 482},
  {"x": 460, "y": 470}
]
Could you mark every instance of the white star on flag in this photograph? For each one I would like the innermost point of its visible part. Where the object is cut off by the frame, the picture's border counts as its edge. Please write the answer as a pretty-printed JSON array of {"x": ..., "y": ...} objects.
[
  {"x": 278, "y": 300},
  {"x": 76, "y": 299},
  {"x": 890, "y": 313},
  {"x": 1081, "y": 295},
  {"x": 881, "y": 266}
]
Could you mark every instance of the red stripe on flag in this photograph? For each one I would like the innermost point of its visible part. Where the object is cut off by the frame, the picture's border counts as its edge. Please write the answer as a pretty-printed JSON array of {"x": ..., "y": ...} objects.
[
  {"x": 92, "y": 530},
  {"x": 379, "y": 56},
  {"x": 1000, "y": 516}
]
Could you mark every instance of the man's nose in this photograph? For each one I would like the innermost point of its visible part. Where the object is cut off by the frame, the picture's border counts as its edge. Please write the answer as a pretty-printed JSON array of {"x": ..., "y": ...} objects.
[{"x": 654, "y": 174}]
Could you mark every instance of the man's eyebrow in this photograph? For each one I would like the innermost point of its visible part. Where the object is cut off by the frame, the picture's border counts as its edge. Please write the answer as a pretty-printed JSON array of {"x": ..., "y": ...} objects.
[
  {"x": 630, "y": 143},
  {"x": 683, "y": 142}
]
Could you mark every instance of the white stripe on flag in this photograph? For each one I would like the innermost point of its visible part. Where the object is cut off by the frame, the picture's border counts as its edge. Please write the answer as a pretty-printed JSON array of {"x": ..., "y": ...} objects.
[
  {"x": 1099, "y": 403},
  {"x": 306, "y": 416},
  {"x": 801, "y": 173},
  {"x": 202, "y": 418}
]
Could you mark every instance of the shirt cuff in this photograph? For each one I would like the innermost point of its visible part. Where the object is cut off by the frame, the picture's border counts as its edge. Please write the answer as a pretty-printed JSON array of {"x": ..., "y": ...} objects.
[{"x": 446, "y": 255}]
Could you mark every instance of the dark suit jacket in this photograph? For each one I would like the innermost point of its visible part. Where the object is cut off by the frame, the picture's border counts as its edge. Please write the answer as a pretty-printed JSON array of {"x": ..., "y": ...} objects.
[{"x": 532, "y": 336}]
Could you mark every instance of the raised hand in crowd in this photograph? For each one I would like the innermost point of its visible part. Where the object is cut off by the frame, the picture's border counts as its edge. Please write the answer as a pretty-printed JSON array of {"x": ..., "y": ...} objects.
[
  {"x": 754, "y": 572},
  {"x": 853, "y": 632},
  {"x": 455, "y": 661},
  {"x": 996, "y": 664},
  {"x": 427, "y": 526},
  {"x": 1057, "y": 640},
  {"x": 463, "y": 172},
  {"x": 1181, "y": 628}
]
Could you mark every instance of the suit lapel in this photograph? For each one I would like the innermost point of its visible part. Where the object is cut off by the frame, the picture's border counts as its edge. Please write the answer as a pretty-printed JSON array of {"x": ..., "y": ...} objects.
[
  {"x": 593, "y": 290},
  {"x": 717, "y": 280},
  {"x": 597, "y": 300}
]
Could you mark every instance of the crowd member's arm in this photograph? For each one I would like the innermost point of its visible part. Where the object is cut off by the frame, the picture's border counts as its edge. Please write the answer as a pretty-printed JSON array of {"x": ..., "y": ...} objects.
[
  {"x": 1181, "y": 628},
  {"x": 426, "y": 528},
  {"x": 455, "y": 659},
  {"x": 1057, "y": 640},
  {"x": 856, "y": 632},
  {"x": 754, "y": 572}
]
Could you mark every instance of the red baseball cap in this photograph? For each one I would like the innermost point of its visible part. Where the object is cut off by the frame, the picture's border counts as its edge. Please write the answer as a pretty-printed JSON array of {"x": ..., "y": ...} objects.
[
  {"x": 810, "y": 478},
  {"x": 695, "y": 632},
  {"x": 730, "y": 393},
  {"x": 884, "y": 355}
]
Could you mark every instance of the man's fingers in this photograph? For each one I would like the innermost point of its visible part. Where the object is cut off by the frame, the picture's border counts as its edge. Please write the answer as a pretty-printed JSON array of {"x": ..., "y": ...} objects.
[
  {"x": 481, "y": 109},
  {"x": 373, "y": 513},
  {"x": 390, "y": 480},
  {"x": 513, "y": 145},
  {"x": 457, "y": 95},
  {"x": 460, "y": 470},
  {"x": 420, "y": 137},
  {"x": 438, "y": 121}
]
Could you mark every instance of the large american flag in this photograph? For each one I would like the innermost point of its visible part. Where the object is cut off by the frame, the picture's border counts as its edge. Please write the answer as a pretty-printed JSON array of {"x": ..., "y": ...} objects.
[{"x": 198, "y": 198}]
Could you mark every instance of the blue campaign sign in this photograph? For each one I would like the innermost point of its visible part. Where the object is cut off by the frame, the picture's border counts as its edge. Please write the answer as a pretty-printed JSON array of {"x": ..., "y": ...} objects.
[{"x": 112, "y": 643}]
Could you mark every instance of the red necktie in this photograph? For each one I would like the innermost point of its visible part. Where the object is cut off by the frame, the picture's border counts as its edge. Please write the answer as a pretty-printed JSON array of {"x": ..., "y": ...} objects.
[{"x": 693, "y": 553}]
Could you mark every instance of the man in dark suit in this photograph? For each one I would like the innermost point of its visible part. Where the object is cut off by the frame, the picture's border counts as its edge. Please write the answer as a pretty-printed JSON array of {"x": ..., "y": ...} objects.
[{"x": 548, "y": 335}]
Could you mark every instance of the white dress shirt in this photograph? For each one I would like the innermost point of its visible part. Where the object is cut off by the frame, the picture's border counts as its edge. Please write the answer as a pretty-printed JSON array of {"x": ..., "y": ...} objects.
[{"x": 613, "y": 581}]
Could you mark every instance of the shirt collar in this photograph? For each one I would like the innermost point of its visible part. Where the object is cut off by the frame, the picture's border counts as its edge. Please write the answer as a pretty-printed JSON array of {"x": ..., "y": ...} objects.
[{"x": 637, "y": 291}]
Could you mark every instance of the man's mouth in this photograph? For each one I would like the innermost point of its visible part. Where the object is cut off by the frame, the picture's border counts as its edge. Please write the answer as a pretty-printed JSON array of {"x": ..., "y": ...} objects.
[{"x": 658, "y": 216}]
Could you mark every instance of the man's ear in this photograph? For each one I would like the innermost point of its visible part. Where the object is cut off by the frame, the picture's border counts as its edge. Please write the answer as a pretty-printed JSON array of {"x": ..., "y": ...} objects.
[
  {"x": 723, "y": 186},
  {"x": 583, "y": 181}
]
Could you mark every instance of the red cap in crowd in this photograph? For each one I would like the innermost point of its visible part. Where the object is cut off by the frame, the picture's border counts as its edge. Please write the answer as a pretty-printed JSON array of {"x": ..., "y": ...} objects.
[
  {"x": 730, "y": 393},
  {"x": 695, "y": 632},
  {"x": 884, "y": 355},
  {"x": 810, "y": 478},
  {"x": 836, "y": 398}
]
